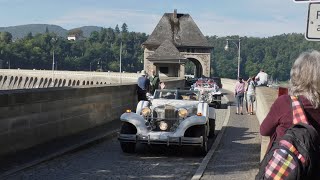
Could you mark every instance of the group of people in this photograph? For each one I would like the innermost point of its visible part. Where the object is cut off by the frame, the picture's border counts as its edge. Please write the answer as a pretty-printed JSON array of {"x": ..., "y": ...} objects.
[
  {"x": 246, "y": 89},
  {"x": 148, "y": 84}
]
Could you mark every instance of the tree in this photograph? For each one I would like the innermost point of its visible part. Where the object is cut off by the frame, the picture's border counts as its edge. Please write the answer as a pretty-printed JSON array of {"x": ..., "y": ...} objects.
[
  {"x": 116, "y": 29},
  {"x": 124, "y": 28},
  {"x": 75, "y": 32},
  {"x": 6, "y": 37}
]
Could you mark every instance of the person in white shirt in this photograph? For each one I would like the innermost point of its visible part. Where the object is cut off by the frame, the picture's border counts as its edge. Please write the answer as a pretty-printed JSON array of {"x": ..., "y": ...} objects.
[
  {"x": 251, "y": 94},
  {"x": 262, "y": 78}
]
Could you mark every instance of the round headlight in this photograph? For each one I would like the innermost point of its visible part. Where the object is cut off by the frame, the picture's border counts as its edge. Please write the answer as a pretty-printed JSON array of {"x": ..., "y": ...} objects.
[
  {"x": 163, "y": 125},
  {"x": 183, "y": 113},
  {"x": 146, "y": 111}
]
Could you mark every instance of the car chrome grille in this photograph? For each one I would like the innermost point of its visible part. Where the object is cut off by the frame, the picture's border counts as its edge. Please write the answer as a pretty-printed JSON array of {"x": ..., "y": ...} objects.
[{"x": 167, "y": 114}]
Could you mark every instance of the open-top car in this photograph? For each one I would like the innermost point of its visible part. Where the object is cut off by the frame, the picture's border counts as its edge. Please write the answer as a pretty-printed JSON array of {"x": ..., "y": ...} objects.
[
  {"x": 171, "y": 117},
  {"x": 210, "y": 91}
]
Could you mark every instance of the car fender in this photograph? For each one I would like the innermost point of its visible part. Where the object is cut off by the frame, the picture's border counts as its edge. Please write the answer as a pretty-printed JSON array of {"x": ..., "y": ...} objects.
[
  {"x": 141, "y": 105},
  {"x": 212, "y": 113},
  {"x": 191, "y": 121},
  {"x": 135, "y": 119},
  {"x": 203, "y": 108}
]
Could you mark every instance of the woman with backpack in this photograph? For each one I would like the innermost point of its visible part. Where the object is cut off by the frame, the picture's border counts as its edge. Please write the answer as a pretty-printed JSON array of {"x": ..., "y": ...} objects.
[{"x": 303, "y": 101}]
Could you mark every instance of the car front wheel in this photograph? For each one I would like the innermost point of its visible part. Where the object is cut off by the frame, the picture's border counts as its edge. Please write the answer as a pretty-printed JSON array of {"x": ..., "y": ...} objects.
[
  {"x": 212, "y": 124},
  {"x": 128, "y": 147},
  {"x": 203, "y": 150}
]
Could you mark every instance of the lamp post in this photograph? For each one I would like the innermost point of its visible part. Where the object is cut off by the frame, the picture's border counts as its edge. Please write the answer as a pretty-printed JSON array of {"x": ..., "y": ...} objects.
[
  {"x": 8, "y": 62},
  {"x": 238, "y": 46},
  {"x": 53, "y": 43},
  {"x": 120, "y": 78},
  {"x": 53, "y": 40},
  {"x": 90, "y": 66}
]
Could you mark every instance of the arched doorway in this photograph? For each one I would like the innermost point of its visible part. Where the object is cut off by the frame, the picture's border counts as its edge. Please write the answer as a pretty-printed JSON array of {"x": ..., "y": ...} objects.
[{"x": 195, "y": 66}]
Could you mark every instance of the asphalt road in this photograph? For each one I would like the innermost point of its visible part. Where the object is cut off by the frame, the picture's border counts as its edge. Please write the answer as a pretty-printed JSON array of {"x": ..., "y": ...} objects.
[{"x": 105, "y": 160}]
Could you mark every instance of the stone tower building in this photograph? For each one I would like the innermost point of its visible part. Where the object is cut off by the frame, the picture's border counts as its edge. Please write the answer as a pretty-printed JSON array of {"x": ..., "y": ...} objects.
[{"x": 175, "y": 40}]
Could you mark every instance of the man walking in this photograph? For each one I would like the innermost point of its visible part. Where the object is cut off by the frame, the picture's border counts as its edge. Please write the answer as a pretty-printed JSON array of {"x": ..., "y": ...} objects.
[{"x": 143, "y": 86}]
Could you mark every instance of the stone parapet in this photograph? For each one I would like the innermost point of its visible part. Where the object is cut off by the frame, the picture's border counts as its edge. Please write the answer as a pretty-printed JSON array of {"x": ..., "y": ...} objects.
[{"x": 28, "y": 79}]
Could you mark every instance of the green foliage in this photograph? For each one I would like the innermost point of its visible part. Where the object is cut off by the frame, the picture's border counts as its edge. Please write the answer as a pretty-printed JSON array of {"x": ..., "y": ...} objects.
[
  {"x": 274, "y": 54},
  {"x": 75, "y": 32},
  {"x": 101, "y": 50}
]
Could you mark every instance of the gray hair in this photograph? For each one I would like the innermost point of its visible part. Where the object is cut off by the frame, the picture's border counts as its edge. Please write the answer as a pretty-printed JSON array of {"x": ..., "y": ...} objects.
[{"x": 305, "y": 77}]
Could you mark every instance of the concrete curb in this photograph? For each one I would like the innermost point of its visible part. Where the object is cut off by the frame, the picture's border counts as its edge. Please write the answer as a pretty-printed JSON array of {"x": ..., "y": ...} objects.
[
  {"x": 214, "y": 146},
  {"x": 58, "y": 153}
]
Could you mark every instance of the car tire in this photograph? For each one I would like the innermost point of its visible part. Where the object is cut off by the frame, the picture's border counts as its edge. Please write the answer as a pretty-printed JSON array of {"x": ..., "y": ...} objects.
[
  {"x": 212, "y": 124},
  {"x": 128, "y": 147},
  {"x": 203, "y": 150},
  {"x": 218, "y": 103}
]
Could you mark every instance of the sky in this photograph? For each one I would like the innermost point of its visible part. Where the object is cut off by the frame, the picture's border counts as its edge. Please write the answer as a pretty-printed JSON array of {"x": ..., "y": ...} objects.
[{"x": 253, "y": 18}]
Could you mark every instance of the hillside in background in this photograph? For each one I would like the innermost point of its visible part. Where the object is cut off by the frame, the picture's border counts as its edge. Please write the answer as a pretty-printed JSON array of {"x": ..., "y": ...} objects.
[
  {"x": 21, "y": 31},
  {"x": 87, "y": 30}
]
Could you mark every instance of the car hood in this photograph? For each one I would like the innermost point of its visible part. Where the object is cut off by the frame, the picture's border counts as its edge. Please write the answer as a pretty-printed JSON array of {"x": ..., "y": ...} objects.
[{"x": 176, "y": 103}]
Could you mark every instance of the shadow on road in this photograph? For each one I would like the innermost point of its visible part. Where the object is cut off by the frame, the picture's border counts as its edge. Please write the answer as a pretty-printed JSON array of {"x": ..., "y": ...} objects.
[
  {"x": 236, "y": 153},
  {"x": 171, "y": 151}
]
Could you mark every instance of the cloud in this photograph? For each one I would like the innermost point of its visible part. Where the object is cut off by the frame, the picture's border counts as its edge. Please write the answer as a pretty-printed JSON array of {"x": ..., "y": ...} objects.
[
  {"x": 212, "y": 24},
  {"x": 253, "y": 18},
  {"x": 135, "y": 19}
]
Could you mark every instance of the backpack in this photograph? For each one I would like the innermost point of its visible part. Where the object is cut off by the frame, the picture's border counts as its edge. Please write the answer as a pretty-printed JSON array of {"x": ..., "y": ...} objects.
[{"x": 296, "y": 155}]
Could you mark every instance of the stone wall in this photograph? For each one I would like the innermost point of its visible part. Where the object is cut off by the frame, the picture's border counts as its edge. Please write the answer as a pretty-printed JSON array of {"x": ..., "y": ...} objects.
[
  {"x": 28, "y": 79},
  {"x": 32, "y": 116}
]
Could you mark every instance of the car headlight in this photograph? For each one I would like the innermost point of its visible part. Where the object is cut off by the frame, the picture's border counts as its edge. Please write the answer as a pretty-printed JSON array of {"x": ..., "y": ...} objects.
[
  {"x": 163, "y": 125},
  {"x": 183, "y": 113},
  {"x": 146, "y": 111}
]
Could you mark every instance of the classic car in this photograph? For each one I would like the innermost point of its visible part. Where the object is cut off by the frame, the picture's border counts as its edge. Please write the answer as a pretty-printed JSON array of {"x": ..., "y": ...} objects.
[
  {"x": 170, "y": 117},
  {"x": 210, "y": 91}
]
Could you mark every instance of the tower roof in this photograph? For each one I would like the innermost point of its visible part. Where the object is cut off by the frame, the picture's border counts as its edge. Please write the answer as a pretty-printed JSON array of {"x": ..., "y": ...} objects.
[
  {"x": 180, "y": 29},
  {"x": 166, "y": 51}
]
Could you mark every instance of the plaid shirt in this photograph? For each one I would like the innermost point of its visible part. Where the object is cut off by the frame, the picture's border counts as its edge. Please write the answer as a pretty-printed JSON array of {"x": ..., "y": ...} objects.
[{"x": 282, "y": 163}]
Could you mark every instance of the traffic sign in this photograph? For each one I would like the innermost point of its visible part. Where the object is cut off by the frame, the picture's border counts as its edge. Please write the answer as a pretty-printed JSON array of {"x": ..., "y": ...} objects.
[
  {"x": 313, "y": 22},
  {"x": 305, "y": 1}
]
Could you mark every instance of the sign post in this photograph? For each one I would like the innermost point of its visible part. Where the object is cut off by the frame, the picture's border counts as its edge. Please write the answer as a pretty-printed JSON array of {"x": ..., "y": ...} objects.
[{"x": 313, "y": 22}]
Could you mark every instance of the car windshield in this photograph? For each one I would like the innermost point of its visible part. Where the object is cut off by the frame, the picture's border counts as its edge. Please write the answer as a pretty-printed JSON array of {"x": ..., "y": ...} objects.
[
  {"x": 177, "y": 94},
  {"x": 206, "y": 85}
]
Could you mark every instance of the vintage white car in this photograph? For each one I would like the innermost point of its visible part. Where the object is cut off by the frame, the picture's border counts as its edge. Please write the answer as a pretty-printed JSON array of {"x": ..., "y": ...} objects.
[
  {"x": 210, "y": 92},
  {"x": 170, "y": 117}
]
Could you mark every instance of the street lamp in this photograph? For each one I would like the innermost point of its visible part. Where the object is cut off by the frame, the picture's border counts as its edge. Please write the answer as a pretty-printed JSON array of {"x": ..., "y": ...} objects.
[
  {"x": 53, "y": 40},
  {"x": 8, "y": 62},
  {"x": 238, "y": 46},
  {"x": 53, "y": 43},
  {"x": 120, "y": 75}
]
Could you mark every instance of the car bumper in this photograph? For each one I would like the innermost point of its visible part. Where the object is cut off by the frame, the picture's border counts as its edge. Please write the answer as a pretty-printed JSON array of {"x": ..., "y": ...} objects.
[{"x": 191, "y": 141}]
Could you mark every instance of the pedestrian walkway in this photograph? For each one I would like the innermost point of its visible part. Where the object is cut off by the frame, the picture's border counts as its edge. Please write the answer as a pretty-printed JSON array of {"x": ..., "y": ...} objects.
[{"x": 238, "y": 154}]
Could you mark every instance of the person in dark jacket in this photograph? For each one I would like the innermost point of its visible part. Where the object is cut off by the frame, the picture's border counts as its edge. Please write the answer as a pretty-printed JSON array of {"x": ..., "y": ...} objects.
[
  {"x": 304, "y": 83},
  {"x": 143, "y": 85},
  {"x": 154, "y": 81}
]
